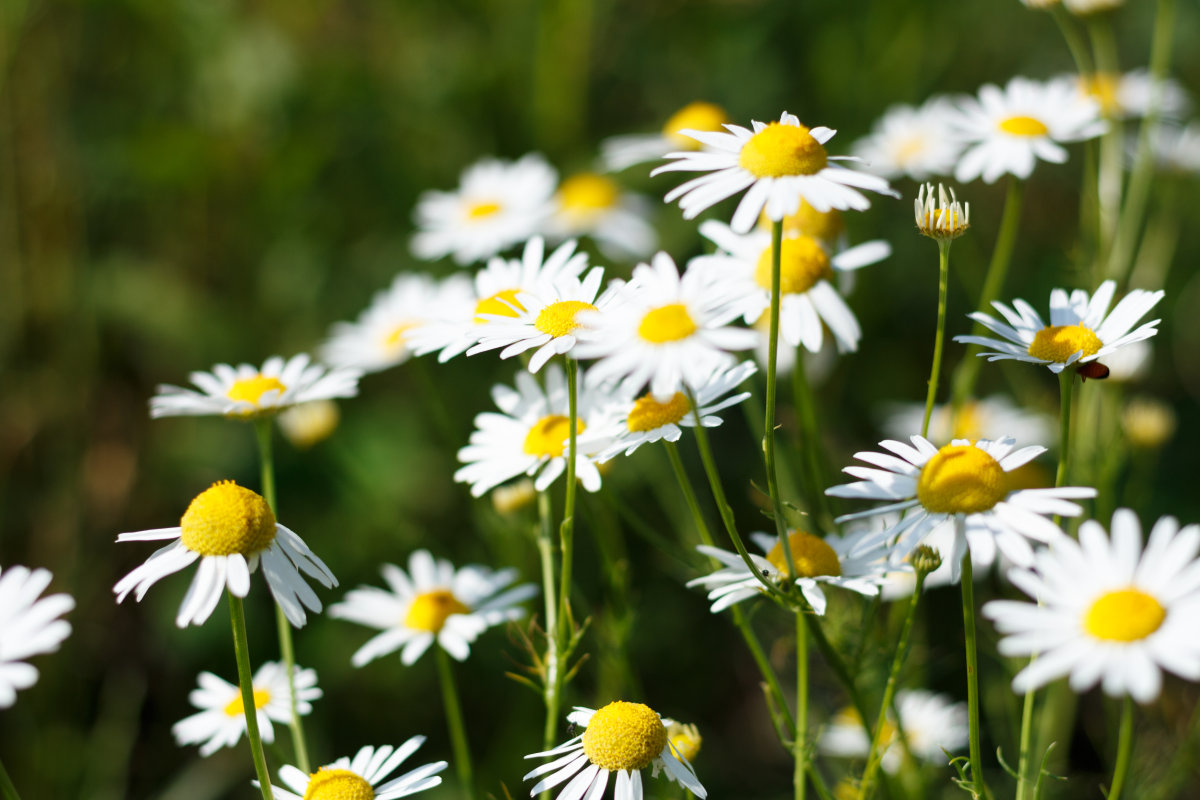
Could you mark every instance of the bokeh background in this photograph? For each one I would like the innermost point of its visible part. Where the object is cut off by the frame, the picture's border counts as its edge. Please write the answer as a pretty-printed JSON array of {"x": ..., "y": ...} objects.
[{"x": 185, "y": 182}]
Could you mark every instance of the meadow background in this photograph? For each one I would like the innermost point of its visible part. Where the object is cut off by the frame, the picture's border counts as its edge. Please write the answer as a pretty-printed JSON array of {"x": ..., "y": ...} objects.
[{"x": 185, "y": 182}]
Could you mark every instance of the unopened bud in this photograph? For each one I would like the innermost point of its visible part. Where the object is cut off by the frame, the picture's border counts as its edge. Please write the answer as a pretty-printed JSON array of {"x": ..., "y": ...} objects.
[{"x": 925, "y": 559}]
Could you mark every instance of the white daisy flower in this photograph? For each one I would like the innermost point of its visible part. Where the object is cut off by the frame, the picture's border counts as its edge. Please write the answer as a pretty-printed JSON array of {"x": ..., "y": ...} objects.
[
  {"x": 851, "y": 562},
  {"x": 309, "y": 423},
  {"x": 247, "y": 392},
  {"x": 779, "y": 164},
  {"x": 529, "y": 435},
  {"x": 588, "y": 204},
  {"x": 1176, "y": 148},
  {"x": 913, "y": 142},
  {"x": 621, "y": 737},
  {"x": 932, "y": 724},
  {"x": 963, "y": 482},
  {"x": 462, "y": 313},
  {"x": 662, "y": 329},
  {"x": 1007, "y": 130},
  {"x": 1107, "y": 611},
  {"x": 432, "y": 602},
  {"x": 29, "y": 626},
  {"x": 362, "y": 778},
  {"x": 989, "y": 418},
  {"x": 621, "y": 152},
  {"x": 1081, "y": 328},
  {"x": 1085, "y": 7},
  {"x": 497, "y": 204},
  {"x": 229, "y": 529},
  {"x": 1128, "y": 95},
  {"x": 807, "y": 299},
  {"x": 221, "y": 721}
]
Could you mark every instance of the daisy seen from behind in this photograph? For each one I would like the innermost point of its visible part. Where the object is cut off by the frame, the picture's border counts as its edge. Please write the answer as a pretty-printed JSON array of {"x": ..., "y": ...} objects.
[
  {"x": 1081, "y": 328},
  {"x": 620, "y": 152},
  {"x": 363, "y": 777},
  {"x": 29, "y": 626},
  {"x": 1107, "y": 611},
  {"x": 221, "y": 721},
  {"x": 230, "y": 530},
  {"x": 593, "y": 205},
  {"x": 622, "y": 738},
  {"x": 932, "y": 724}
]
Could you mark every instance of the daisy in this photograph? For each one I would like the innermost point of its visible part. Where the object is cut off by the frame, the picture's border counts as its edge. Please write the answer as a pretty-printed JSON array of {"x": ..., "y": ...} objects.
[
  {"x": 593, "y": 205},
  {"x": 1129, "y": 95},
  {"x": 309, "y": 423},
  {"x": 663, "y": 329},
  {"x": 932, "y": 724},
  {"x": 940, "y": 216},
  {"x": 963, "y": 482},
  {"x": 808, "y": 301},
  {"x": 851, "y": 562},
  {"x": 361, "y": 778},
  {"x": 1148, "y": 423},
  {"x": 498, "y": 204},
  {"x": 1007, "y": 130},
  {"x": 1086, "y": 7},
  {"x": 620, "y": 152},
  {"x": 28, "y": 626},
  {"x": 913, "y": 142},
  {"x": 222, "y": 717},
  {"x": 229, "y": 529},
  {"x": 432, "y": 602},
  {"x": 779, "y": 163},
  {"x": 1176, "y": 149},
  {"x": 1107, "y": 611},
  {"x": 1081, "y": 329},
  {"x": 989, "y": 418},
  {"x": 621, "y": 737},
  {"x": 247, "y": 392}
]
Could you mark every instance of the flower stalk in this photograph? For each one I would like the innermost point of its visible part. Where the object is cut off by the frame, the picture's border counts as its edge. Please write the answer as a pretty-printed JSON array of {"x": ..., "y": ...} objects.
[
  {"x": 454, "y": 720},
  {"x": 769, "y": 413},
  {"x": 1124, "y": 750},
  {"x": 979, "y": 789},
  {"x": 241, "y": 652},
  {"x": 940, "y": 336}
]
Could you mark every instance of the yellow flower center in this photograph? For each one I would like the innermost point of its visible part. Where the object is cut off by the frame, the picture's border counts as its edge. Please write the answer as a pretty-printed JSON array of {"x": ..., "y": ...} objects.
[
  {"x": 395, "y": 339},
  {"x": 585, "y": 194},
  {"x": 648, "y": 413},
  {"x": 811, "y": 556},
  {"x": 779, "y": 150},
  {"x": 328, "y": 783},
  {"x": 558, "y": 319},
  {"x": 477, "y": 211},
  {"x": 807, "y": 221},
  {"x": 1125, "y": 615},
  {"x": 624, "y": 736},
  {"x": 802, "y": 262},
  {"x": 548, "y": 436},
  {"x": 226, "y": 518},
  {"x": 685, "y": 739},
  {"x": 429, "y": 610},
  {"x": 251, "y": 390},
  {"x": 695, "y": 117},
  {"x": 1102, "y": 87},
  {"x": 968, "y": 423},
  {"x": 961, "y": 479},
  {"x": 503, "y": 304},
  {"x": 1024, "y": 126},
  {"x": 666, "y": 324},
  {"x": 907, "y": 149},
  {"x": 1060, "y": 342},
  {"x": 235, "y": 708}
]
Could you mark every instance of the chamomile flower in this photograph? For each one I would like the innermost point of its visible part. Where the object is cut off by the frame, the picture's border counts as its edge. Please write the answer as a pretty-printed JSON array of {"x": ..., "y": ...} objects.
[
  {"x": 1176, "y": 148},
  {"x": 621, "y": 152},
  {"x": 1083, "y": 8},
  {"x": 622, "y": 738},
  {"x": 230, "y": 529},
  {"x": 1129, "y": 95},
  {"x": 778, "y": 163},
  {"x": 964, "y": 483},
  {"x": 29, "y": 626},
  {"x": 247, "y": 392},
  {"x": 940, "y": 217},
  {"x": 1107, "y": 611},
  {"x": 432, "y": 602},
  {"x": 913, "y": 142},
  {"x": 663, "y": 329},
  {"x": 808, "y": 301},
  {"x": 932, "y": 724},
  {"x": 362, "y": 778},
  {"x": 309, "y": 423},
  {"x": 497, "y": 204},
  {"x": 851, "y": 562},
  {"x": 1007, "y": 130},
  {"x": 1081, "y": 328},
  {"x": 222, "y": 718},
  {"x": 588, "y": 204},
  {"x": 989, "y": 418}
]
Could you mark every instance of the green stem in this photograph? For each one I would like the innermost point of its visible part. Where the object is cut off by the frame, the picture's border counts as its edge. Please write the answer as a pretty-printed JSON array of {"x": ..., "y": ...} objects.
[
  {"x": 810, "y": 440},
  {"x": 769, "y": 412},
  {"x": 1024, "y": 784},
  {"x": 7, "y": 790},
  {"x": 968, "y": 601},
  {"x": 551, "y": 681},
  {"x": 800, "y": 743},
  {"x": 241, "y": 652},
  {"x": 454, "y": 719},
  {"x": 1074, "y": 40},
  {"x": 566, "y": 531},
  {"x": 1066, "y": 384},
  {"x": 939, "y": 338},
  {"x": 1124, "y": 750}
]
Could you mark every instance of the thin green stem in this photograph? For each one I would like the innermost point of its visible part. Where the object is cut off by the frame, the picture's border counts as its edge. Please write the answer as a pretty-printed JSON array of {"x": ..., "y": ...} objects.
[
  {"x": 7, "y": 790},
  {"x": 1124, "y": 750},
  {"x": 549, "y": 595},
  {"x": 940, "y": 336},
  {"x": 566, "y": 531},
  {"x": 810, "y": 440},
  {"x": 1073, "y": 38},
  {"x": 1024, "y": 784},
  {"x": 1066, "y": 385},
  {"x": 800, "y": 743},
  {"x": 454, "y": 720},
  {"x": 241, "y": 652},
  {"x": 769, "y": 413},
  {"x": 968, "y": 601}
]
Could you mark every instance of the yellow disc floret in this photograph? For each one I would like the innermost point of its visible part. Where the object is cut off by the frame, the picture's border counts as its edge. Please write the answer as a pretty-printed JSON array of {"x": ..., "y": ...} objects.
[
  {"x": 482, "y": 210},
  {"x": 780, "y": 150},
  {"x": 1102, "y": 87},
  {"x": 225, "y": 519},
  {"x": 1060, "y": 342},
  {"x": 251, "y": 390},
  {"x": 1024, "y": 126},
  {"x": 807, "y": 221},
  {"x": 668, "y": 323},
  {"x": 558, "y": 319},
  {"x": 586, "y": 194},
  {"x": 503, "y": 303},
  {"x": 648, "y": 413},
  {"x": 685, "y": 739},
  {"x": 802, "y": 262},
  {"x": 429, "y": 610},
  {"x": 961, "y": 479},
  {"x": 1125, "y": 615},
  {"x": 812, "y": 556},
  {"x": 624, "y": 736},
  {"x": 235, "y": 707},
  {"x": 328, "y": 783},
  {"x": 697, "y": 117},
  {"x": 395, "y": 339},
  {"x": 548, "y": 436}
]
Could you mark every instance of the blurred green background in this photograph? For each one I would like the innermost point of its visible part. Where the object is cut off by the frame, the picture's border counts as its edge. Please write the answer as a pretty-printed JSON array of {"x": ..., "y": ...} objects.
[{"x": 184, "y": 182}]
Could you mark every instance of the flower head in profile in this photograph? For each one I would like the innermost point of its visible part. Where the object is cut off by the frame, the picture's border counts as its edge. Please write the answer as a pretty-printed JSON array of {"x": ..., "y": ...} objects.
[
  {"x": 593, "y": 205},
  {"x": 932, "y": 724},
  {"x": 221, "y": 721},
  {"x": 230, "y": 530},
  {"x": 432, "y": 602},
  {"x": 363, "y": 777},
  {"x": 778, "y": 164},
  {"x": 911, "y": 142},
  {"x": 1081, "y": 328},
  {"x": 621, "y": 152},
  {"x": 1107, "y": 611},
  {"x": 622, "y": 738},
  {"x": 246, "y": 392},
  {"x": 29, "y": 626},
  {"x": 940, "y": 217}
]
